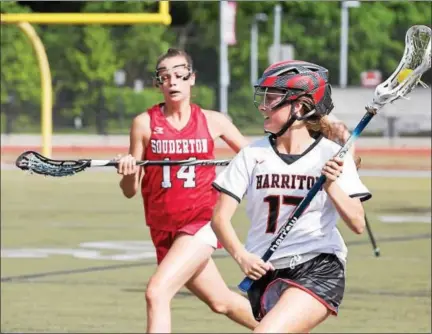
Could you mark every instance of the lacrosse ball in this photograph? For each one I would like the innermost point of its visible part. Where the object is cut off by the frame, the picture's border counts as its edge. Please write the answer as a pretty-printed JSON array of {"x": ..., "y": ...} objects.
[{"x": 403, "y": 74}]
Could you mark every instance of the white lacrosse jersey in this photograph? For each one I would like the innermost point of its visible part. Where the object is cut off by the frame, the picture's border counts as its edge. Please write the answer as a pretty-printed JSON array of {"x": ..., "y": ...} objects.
[{"x": 273, "y": 188}]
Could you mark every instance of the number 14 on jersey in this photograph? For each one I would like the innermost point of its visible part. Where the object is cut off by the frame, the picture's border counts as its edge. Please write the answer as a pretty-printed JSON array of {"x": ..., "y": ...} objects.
[{"x": 185, "y": 173}]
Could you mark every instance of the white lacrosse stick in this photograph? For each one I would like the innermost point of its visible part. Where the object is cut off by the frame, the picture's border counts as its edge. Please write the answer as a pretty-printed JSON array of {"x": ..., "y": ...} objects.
[{"x": 415, "y": 61}]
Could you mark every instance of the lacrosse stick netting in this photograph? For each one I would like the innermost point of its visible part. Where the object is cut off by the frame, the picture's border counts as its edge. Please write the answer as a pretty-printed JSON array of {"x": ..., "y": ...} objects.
[
  {"x": 415, "y": 61},
  {"x": 34, "y": 162}
]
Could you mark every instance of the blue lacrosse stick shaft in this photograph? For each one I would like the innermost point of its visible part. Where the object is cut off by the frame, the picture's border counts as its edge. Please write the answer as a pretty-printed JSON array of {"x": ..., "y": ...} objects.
[{"x": 247, "y": 282}]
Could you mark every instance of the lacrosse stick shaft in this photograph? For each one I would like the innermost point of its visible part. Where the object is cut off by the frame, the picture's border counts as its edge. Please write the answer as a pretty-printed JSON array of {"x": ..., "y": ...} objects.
[
  {"x": 298, "y": 211},
  {"x": 372, "y": 238},
  {"x": 112, "y": 163},
  {"x": 37, "y": 163}
]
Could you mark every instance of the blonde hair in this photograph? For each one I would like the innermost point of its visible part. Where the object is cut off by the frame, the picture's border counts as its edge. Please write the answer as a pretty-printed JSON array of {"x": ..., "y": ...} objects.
[{"x": 316, "y": 124}]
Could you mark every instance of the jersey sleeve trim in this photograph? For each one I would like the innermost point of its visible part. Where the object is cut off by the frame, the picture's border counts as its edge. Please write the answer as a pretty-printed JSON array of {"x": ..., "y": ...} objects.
[
  {"x": 363, "y": 196},
  {"x": 223, "y": 190}
]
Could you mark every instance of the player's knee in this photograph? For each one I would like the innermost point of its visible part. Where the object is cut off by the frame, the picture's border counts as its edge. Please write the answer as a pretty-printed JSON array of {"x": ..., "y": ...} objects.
[
  {"x": 287, "y": 329},
  {"x": 156, "y": 293},
  {"x": 219, "y": 306}
]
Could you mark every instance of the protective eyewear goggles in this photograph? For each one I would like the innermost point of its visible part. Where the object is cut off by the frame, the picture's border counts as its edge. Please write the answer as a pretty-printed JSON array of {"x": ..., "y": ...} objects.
[
  {"x": 182, "y": 71},
  {"x": 269, "y": 98}
]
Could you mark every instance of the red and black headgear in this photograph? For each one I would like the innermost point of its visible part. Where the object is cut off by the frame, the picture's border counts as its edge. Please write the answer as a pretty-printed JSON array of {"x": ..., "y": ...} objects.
[
  {"x": 294, "y": 79},
  {"x": 298, "y": 78}
]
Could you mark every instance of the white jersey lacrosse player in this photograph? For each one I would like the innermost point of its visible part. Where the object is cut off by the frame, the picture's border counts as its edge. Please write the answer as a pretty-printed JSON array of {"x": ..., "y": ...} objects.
[
  {"x": 294, "y": 98},
  {"x": 281, "y": 182}
]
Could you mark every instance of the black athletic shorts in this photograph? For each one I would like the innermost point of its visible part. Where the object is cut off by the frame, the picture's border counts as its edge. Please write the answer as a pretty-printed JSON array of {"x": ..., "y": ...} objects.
[{"x": 323, "y": 277}]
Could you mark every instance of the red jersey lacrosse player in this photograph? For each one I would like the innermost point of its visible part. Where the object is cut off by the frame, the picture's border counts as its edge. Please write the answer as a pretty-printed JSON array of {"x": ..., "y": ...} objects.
[{"x": 179, "y": 200}]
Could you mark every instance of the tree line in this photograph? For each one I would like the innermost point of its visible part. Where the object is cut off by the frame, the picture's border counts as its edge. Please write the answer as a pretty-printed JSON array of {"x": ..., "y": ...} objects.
[{"x": 84, "y": 59}]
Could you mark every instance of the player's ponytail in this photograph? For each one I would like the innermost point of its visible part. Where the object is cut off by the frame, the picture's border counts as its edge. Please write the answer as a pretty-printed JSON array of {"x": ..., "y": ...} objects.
[
  {"x": 316, "y": 124},
  {"x": 322, "y": 125}
]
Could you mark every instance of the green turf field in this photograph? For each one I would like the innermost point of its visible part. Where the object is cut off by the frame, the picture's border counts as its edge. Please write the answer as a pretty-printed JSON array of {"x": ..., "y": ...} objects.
[{"x": 89, "y": 288}]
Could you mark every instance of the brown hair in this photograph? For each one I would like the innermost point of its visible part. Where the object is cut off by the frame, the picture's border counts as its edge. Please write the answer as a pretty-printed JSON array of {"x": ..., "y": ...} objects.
[{"x": 173, "y": 52}]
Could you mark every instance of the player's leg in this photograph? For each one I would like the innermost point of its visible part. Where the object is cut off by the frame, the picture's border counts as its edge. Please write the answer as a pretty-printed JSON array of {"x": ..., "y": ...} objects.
[
  {"x": 208, "y": 285},
  {"x": 181, "y": 262},
  {"x": 295, "y": 312}
]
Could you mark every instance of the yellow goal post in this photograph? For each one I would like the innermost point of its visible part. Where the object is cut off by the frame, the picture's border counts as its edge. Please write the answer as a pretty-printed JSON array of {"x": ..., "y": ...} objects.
[{"x": 24, "y": 21}]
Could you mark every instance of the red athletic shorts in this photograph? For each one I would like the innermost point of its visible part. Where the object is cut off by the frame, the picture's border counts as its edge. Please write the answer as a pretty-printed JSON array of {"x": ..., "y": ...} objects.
[{"x": 163, "y": 240}]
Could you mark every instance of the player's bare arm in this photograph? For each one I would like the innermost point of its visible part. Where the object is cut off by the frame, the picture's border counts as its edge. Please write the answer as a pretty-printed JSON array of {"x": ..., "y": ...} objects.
[
  {"x": 252, "y": 265},
  {"x": 138, "y": 138},
  {"x": 339, "y": 132},
  {"x": 221, "y": 224},
  {"x": 221, "y": 126},
  {"x": 350, "y": 209}
]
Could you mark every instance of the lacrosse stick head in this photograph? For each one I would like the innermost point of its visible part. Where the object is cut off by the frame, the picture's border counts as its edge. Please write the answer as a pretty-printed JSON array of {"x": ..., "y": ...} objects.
[
  {"x": 415, "y": 61},
  {"x": 36, "y": 163}
]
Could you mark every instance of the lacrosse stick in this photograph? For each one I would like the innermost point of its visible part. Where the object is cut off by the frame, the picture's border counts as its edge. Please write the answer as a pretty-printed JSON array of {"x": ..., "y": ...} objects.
[
  {"x": 37, "y": 163},
  {"x": 372, "y": 238},
  {"x": 415, "y": 61}
]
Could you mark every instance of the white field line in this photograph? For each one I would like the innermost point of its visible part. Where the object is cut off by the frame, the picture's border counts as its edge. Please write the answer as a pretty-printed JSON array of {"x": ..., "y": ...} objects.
[{"x": 426, "y": 219}]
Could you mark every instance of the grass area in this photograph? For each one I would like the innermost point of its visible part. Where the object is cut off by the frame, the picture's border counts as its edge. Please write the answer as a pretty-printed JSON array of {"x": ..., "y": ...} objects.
[
  {"x": 387, "y": 294},
  {"x": 395, "y": 161}
]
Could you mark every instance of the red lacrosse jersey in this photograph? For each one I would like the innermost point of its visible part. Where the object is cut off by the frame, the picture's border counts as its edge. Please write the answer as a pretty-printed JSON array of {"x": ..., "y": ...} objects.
[{"x": 175, "y": 196}]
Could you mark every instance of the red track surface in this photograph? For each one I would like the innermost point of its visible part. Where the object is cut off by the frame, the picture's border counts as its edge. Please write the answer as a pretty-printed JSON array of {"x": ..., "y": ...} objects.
[{"x": 109, "y": 150}]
